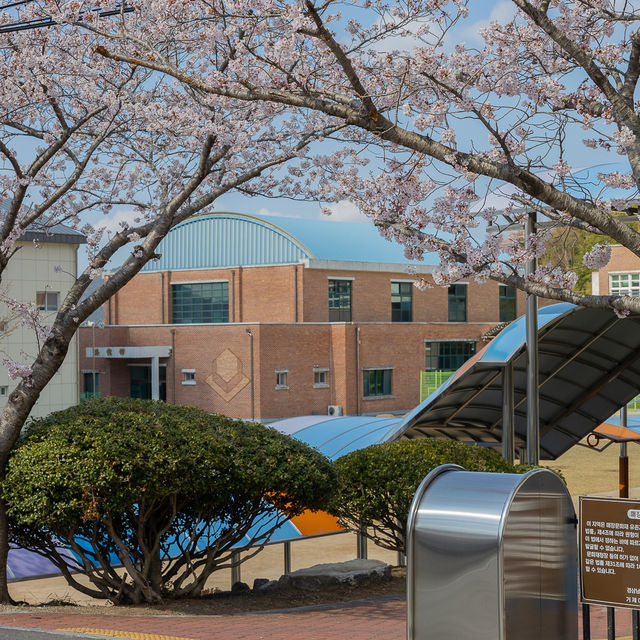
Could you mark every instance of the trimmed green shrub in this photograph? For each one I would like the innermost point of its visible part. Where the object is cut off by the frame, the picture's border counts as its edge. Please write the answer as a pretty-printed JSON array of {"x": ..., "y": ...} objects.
[
  {"x": 168, "y": 492},
  {"x": 376, "y": 485}
]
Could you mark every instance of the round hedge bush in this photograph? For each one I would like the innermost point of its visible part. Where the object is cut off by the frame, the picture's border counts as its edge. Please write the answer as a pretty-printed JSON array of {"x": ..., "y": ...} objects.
[
  {"x": 376, "y": 485},
  {"x": 164, "y": 490}
]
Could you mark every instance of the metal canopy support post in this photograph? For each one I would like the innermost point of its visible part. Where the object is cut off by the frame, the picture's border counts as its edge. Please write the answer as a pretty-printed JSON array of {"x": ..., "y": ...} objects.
[
  {"x": 623, "y": 463},
  {"x": 155, "y": 378},
  {"x": 533, "y": 426},
  {"x": 508, "y": 435}
]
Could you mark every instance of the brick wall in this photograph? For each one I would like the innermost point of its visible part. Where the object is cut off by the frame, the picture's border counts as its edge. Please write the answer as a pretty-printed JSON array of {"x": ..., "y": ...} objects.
[
  {"x": 221, "y": 358},
  {"x": 622, "y": 261}
]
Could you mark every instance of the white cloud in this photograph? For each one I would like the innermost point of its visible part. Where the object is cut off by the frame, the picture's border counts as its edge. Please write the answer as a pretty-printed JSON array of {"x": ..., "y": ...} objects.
[
  {"x": 502, "y": 13},
  {"x": 112, "y": 223},
  {"x": 345, "y": 211},
  {"x": 263, "y": 211}
]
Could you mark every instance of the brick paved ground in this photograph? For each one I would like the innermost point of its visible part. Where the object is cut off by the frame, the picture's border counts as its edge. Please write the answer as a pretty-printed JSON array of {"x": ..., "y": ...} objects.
[{"x": 380, "y": 619}]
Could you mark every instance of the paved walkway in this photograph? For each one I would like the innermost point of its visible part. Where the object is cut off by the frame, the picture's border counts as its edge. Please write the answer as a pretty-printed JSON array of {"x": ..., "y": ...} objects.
[{"x": 379, "y": 619}]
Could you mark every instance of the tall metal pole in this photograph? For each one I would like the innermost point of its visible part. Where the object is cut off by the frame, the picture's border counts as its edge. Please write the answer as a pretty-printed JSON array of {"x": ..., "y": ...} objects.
[
  {"x": 93, "y": 342},
  {"x": 533, "y": 425},
  {"x": 623, "y": 462},
  {"x": 507, "y": 414},
  {"x": 253, "y": 413}
]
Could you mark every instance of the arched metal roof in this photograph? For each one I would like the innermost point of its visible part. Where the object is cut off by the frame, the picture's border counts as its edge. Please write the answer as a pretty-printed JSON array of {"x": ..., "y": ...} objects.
[
  {"x": 589, "y": 367},
  {"x": 236, "y": 239},
  {"x": 226, "y": 240}
]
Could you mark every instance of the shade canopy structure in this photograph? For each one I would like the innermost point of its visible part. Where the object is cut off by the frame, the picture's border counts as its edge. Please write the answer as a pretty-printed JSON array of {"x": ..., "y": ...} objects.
[
  {"x": 335, "y": 437},
  {"x": 589, "y": 367}
]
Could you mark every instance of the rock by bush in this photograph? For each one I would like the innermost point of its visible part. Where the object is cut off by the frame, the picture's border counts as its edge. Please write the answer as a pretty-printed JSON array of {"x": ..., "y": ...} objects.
[
  {"x": 164, "y": 490},
  {"x": 321, "y": 576}
]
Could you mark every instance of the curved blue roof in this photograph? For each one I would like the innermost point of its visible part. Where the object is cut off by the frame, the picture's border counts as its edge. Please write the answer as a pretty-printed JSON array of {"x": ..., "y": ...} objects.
[
  {"x": 589, "y": 364},
  {"x": 236, "y": 239}
]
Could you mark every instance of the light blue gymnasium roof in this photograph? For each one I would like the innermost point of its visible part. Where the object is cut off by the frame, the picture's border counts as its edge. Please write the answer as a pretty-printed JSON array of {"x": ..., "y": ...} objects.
[{"x": 236, "y": 239}]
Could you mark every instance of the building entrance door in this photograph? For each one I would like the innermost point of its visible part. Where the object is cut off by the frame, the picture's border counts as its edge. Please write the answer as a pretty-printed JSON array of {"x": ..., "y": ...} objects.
[{"x": 140, "y": 381}]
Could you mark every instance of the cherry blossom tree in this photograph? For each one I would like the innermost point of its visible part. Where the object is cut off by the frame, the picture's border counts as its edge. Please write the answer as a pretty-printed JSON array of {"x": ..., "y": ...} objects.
[
  {"x": 80, "y": 136},
  {"x": 440, "y": 124}
]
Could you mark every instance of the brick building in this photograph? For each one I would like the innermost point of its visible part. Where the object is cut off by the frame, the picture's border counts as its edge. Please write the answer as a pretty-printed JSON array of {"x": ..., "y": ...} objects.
[
  {"x": 620, "y": 277},
  {"x": 273, "y": 317}
]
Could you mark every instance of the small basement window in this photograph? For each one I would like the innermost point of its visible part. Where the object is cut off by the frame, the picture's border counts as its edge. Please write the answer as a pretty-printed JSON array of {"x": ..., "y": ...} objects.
[
  {"x": 47, "y": 300},
  {"x": 281, "y": 378},
  {"x": 320, "y": 378},
  {"x": 188, "y": 376}
]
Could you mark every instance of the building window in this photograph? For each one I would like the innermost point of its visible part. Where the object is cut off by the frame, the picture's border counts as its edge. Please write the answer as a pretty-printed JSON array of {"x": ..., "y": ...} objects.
[
  {"x": 188, "y": 376},
  {"x": 281, "y": 378},
  {"x": 624, "y": 284},
  {"x": 447, "y": 356},
  {"x": 339, "y": 300},
  {"x": 320, "y": 378},
  {"x": 140, "y": 381},
  {"x": 507, "y": 303},
  {"x": 457, "y": 303},
  {"x": 401, "y": 301},
  {"x": 376, "y": 382},
  {"x": 4, "y": 391},
  {"x": 89, "y": 390},
  {"x": 200, "y": 302},
  {"x": 47, "y": 300}
]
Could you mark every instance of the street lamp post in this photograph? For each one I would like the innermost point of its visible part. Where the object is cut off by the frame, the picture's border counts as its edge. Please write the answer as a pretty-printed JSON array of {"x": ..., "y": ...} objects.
[
  {"x": 533, "y": 426},
  {"x": 93, "y": 324},
  {"x": 253, "y": 415}
]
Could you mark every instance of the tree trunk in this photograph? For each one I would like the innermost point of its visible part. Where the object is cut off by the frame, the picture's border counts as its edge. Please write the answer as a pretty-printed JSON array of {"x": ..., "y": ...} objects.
[
  {"x": 12, "y": 419},
  {"x": 5, "y": 598}
]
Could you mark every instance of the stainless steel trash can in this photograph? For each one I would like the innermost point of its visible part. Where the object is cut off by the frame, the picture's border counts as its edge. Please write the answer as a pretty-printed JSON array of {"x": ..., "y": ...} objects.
[{"x": 491, "y": 556}]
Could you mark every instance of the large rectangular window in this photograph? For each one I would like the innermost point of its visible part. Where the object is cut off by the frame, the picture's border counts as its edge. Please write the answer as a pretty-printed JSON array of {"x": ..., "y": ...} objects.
[
  {"x": 401, "y": 301},
  {"x": 507, "y": 303},
  {"x": 376, "y": 382},
  {"x": 199, "y": 302},
  {"x": 457, "y": 303},
  {"x": 339, "y": 300},
  {"x": 625, "y": 284},
  {"x": 447, "y": 356}
]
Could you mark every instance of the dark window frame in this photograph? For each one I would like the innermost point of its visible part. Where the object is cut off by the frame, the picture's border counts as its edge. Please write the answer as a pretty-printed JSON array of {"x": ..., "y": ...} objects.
[
  {"x": 401, "y": 301},
  {"x": 377, "y": 383},
  {"x": 200, "y": 302},
  {"x": 449, "y": 355},
  {"x": 340, "y": 292},
  {"x": 457, "y": 303},
  {"x": 507, "y": 303}
]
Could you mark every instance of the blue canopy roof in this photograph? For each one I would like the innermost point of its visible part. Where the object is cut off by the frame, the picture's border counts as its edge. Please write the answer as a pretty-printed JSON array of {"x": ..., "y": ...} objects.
[{"x": 589, "y": 367}]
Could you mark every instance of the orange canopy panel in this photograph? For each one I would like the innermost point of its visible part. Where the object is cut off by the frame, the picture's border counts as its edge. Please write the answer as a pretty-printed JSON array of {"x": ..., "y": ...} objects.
[
  {"x": 311, "y": 523},
  {"x": 616, "y": 433}
]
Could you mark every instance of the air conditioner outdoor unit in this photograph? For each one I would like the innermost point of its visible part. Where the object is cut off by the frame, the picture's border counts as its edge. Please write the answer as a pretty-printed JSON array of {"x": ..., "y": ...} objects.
[{"x": 334, "y": 410}]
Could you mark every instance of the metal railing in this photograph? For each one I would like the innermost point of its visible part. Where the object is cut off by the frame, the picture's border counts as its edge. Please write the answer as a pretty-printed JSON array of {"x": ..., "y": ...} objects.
[
  {"x": 361, "y": 552},
  {"x": 431, "y": 380}
]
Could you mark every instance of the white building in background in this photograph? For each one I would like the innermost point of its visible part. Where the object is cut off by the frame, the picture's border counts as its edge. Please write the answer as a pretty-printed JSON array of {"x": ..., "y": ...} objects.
[{"x": 31, "y": 276}]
